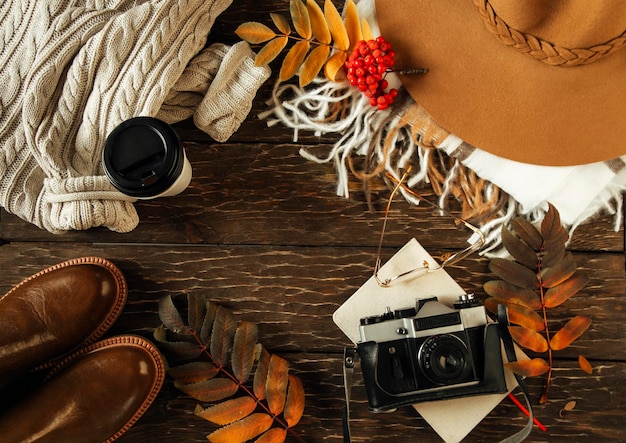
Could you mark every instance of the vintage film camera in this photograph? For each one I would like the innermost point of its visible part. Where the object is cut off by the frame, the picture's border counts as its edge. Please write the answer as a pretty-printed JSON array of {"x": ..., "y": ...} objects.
[{"x": 430, "y": 352}]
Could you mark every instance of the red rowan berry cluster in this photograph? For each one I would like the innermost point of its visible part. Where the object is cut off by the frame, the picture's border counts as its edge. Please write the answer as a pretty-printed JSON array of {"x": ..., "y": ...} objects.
[{"x": 366, "y": 68}]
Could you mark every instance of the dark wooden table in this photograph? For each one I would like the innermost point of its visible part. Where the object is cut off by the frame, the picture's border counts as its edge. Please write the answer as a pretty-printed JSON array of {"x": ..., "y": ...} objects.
[{"x": 261, "y": 231}]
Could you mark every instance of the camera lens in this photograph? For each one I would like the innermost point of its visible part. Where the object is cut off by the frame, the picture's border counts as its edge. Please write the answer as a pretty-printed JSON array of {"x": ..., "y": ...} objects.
[{"x": 445, "y": 359}]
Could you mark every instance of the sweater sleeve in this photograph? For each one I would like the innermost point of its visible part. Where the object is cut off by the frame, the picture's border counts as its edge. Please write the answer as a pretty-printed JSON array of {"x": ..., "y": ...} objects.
[{"x": 80, "y": 69}]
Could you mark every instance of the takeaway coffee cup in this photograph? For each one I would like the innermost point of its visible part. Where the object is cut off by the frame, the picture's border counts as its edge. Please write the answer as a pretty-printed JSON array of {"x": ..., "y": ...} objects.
[{"x": 143, "y": 157}]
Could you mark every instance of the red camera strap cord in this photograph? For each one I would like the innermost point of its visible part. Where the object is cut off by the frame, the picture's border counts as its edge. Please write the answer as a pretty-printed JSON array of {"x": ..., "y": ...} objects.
[{"x": 349, "y": 356}]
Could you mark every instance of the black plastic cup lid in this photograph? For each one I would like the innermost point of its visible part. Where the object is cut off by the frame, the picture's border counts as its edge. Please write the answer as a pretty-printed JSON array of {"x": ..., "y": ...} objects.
[{"x": 143, "y": 157}]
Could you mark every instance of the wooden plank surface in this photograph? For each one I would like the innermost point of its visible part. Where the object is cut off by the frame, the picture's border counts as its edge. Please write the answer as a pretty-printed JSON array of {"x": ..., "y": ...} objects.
[{"x": 262, "y": 232}]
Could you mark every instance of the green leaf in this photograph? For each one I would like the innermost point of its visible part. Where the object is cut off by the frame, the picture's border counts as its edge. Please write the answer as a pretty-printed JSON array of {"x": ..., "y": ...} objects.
[
  {"x": 504, "y": 290},
  {"x": 514, "y": 273},
  {"x": 570, "y": 332},
  {"x": 520, "y": 251},
  {"x": 215, "y": 389},
  {"x": 558, "y": 273},
  {"x": 242, "y": 358},
  {"x": 228, "y": 411},
  {"x": 300, "y": 18},
  {"x": 563, "y": 291},
  {"x": 222, "y": 335},
  {"x": 193, "y": 372},
  {"x": 527, "y": 232},
  {"x": 169, "y": 315}
]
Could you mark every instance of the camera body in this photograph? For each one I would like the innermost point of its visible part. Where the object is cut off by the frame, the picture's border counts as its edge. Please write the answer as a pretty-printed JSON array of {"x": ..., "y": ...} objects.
[{"x": 430, "y": 352}]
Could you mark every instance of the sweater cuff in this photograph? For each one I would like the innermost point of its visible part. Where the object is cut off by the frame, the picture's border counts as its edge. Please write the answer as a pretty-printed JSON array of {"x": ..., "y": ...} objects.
[
  {"x": 229, "y": 98},
  {"x": 78, "y": 203}
]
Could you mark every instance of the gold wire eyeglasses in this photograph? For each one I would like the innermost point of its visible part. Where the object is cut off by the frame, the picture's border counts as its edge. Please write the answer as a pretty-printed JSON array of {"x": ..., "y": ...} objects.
[{"x": 476, "y": 240}]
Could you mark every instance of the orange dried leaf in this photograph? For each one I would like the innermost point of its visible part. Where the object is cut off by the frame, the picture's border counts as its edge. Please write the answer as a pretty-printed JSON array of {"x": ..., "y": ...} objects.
[
  {"x": 215, "y": 389},
  {"x": 353, "y": 24},
  {"x": 274, "y": 435},
  {"x": 270, "y": 51},
  {"x": 254, "y": 32},
  {"x": 514, "y": 273},
  {"x": 242, "y": 430},
  {"x": 336, "y": 26},
  {"x": 551, "y": 226},
  {"x": 293, "y": 60},
  {"x": 319, "y": 27},
  {"x": 570, "y": 332},
  {"x": 558, "y": 273},
  {"x": 281, "y": 23},
  {"x": 504, "y": 290},
  {"x": 260, "y": 375},
  {"x": 585, "y": 365},
  {"x": 294, "y": 406},
  {"x": 527, "y": 232},
  {"x": 227, "y": 412},
  {"x": 552, "y": 253},
  {"x": 169, "y": 315},
  {"x": 196, "y": 311},
  {"x": 334, "y": 65},
  {"x": 244, "y": 346},
  {"x": 276, "y": 384},
  {"x": 522, "y": 316},
  {"x": 560, "y": 293},
  {"x": 193, "y": 372},
  {"x": 313, "y": 64},
  {"x": 222, "y": 335},
  {"x": 520, "y": 251},
  {"x": 300, "y": 18},
  {"x": 367, "y": 30},
  {"x": 529, "y": 339},
  {"x": 529, "y": 368}
]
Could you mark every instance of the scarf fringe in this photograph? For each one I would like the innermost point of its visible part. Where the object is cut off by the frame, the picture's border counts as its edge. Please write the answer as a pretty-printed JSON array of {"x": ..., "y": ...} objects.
[{"x": 391, "y": 142}]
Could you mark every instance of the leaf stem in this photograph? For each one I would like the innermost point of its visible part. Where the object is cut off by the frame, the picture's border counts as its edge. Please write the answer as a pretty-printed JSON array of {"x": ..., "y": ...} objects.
[
  {"x": 544, "y": 397},
  {"x": 241, "y": 386}
]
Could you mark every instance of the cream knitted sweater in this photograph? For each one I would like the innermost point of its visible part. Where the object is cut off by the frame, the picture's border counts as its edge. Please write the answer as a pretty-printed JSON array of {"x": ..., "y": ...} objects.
[{"x": 72, "y": 70}]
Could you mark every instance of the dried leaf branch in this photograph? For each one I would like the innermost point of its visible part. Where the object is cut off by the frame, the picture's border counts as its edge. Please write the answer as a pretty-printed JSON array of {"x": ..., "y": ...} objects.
[
  {"x": 322, "y": 39},
  {"x": 542, "y": 276},
  {"x": 225, "y": 356}
]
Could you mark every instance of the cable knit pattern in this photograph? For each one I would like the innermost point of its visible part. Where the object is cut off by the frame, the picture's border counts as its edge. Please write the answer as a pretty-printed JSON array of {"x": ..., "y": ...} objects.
[{"x": 72, "y": 70}]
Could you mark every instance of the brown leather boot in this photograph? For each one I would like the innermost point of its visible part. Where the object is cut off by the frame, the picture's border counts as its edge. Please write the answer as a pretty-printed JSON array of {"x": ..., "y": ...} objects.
[
  {"x": 57, "y": 310},
  {"x": 92, "y": 396}
]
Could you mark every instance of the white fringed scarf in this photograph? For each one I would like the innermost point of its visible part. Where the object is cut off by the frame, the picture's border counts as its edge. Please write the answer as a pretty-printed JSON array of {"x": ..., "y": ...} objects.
[{"x": 491, "y": 190}]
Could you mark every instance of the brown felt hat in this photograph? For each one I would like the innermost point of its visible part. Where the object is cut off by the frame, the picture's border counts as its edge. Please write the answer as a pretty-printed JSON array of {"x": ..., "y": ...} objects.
[{"x": 537, "y": 81}]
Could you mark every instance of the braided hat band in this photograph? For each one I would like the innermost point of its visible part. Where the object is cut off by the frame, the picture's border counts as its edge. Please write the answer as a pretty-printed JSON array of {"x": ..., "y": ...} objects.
[{"x": 543, "y": 50}]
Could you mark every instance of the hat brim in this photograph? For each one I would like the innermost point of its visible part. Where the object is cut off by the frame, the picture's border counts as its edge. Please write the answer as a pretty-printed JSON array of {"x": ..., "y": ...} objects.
[{"x": 499, "y": 99}]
